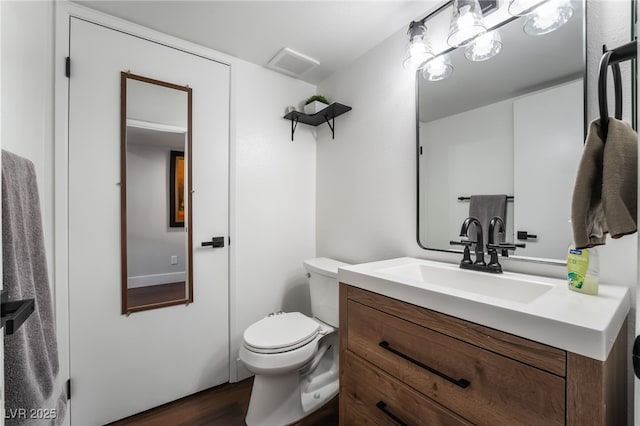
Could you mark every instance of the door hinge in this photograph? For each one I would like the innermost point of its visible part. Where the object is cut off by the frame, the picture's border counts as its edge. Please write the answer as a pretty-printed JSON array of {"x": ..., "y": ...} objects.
[
  {"x": 67, "y": 65},
  {"x": 68, "y": 389},
  {"x": 229, "y": 238}
]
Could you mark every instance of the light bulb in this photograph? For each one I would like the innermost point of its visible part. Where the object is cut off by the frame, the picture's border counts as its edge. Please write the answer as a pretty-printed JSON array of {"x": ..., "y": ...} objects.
[
  {"x": 484, "y": 47},
  {"x": 466, "y": 18},
  {"x": 548, "y": 17},
  {"x": 418, "y": 50},
  {"x": 466, "y": 22},
  {"x": 437, "y": 68}
]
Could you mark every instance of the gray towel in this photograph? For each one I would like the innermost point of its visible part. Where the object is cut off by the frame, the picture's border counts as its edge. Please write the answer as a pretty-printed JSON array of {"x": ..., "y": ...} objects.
[
  {"x": 605, "y": 193},
  {"x": 484, "y": 207},
  {"x": 31, "y": 354}
]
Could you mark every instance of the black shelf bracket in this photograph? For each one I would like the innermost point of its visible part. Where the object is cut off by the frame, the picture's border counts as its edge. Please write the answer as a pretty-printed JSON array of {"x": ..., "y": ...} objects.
[
  {"x": 14, "y": 313},
  {"x": 294, "y": 125},
  {"x": 331, "y": 125},
  {"x": 327, "y": 115}
]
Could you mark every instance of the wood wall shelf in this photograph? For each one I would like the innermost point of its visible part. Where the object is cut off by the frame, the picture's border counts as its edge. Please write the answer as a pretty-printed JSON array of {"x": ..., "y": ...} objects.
[{"x": 329, "y": 113}]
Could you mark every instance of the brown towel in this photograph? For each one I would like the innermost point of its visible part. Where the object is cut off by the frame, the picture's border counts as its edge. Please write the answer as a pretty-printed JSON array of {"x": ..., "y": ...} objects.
[{"x": 605, "y": 192}]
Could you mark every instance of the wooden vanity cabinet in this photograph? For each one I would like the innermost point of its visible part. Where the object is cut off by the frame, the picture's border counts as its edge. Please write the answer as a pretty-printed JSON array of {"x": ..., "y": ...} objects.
[{"x": 403, "y": 364}]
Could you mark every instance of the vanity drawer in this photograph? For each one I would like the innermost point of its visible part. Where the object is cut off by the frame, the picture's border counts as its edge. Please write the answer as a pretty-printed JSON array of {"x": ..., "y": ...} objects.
[
  {"x": 372, "y": 397},
  {"x": 481, "y": 386}
]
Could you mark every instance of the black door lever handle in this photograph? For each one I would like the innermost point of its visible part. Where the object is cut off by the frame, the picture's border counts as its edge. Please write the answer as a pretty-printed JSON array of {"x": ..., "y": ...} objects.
[
  {"x": 524, "y": 235},
  {"x": 215, "y": 242}
]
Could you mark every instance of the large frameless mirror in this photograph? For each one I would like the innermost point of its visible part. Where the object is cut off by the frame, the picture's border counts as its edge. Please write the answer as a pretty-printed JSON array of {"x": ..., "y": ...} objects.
[
  {"x": 156, "y": 194},
  {"x": 513, "y": 125}
]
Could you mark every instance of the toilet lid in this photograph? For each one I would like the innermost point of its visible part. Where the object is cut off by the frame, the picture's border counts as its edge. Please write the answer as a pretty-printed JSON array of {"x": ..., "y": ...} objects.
[{"x": 281, "y": 331}]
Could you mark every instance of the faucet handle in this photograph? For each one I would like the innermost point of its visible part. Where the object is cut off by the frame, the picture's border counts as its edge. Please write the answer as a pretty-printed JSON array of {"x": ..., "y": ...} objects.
[
  {"x": 465, "y": 243},
  {"x": 505, "y": 247},
  {"x": 466, "y": 256}
]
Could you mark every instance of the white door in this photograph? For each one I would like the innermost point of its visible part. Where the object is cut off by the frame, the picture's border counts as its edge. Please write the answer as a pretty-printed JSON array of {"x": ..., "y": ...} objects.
[
  {"x": 119, "y": 364},
  {"x": 548, "y": 135}
]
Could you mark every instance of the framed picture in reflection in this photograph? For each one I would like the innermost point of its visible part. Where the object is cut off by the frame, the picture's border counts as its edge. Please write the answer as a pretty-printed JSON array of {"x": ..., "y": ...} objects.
[{"x": 176, "y": 190}]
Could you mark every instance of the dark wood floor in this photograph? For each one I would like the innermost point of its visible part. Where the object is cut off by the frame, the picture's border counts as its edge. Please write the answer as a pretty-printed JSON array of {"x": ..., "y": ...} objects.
[
  {"x": 149, "y": 295},
  {"x": 224, "y": 405}
]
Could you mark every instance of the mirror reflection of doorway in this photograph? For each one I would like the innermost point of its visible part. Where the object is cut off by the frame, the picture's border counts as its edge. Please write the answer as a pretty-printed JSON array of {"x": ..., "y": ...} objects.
[{"x": 156, "y": 267}]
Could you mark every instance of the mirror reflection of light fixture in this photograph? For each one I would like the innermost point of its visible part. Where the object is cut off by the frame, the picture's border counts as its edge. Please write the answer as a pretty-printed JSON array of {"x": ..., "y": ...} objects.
[
  {"x": 437, "y": 68},
  {"x": 547, "y": 17},
  {"x": 418, "y": 50},
  {"x": 466, "y": 22},
  {"x": 484, "y": 47}
]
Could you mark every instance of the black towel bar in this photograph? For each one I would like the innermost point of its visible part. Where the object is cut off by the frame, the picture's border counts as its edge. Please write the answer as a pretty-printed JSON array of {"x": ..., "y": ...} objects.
[
  {"x": 612, "y": 58},
  {"x": 14, "y": 313},
  {"x": 462, "y": 198}
]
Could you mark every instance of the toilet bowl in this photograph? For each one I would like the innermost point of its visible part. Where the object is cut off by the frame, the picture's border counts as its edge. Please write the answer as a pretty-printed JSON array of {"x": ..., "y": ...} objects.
[{"x": 295, "y": 357}]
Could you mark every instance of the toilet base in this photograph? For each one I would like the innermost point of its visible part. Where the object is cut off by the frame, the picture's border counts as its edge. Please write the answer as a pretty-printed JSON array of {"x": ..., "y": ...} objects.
[
  {"x": 283, "y": 399},
  {"x": 275, "y": 401}
]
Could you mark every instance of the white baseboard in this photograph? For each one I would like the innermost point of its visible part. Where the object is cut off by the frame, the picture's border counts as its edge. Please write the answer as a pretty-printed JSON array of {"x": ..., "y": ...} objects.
[{"x": 148, "y": 280}]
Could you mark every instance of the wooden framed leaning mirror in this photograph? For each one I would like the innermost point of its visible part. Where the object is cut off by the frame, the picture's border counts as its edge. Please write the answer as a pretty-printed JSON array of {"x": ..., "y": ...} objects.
[{"x": 156, "y": 202}]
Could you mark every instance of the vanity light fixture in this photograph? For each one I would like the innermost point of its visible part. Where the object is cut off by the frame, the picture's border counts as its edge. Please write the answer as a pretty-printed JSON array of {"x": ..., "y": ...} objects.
[
  {"x": 484, "y": 47},
  {"x": 466, "y": 22},
  {"x": 467, "y": 28},
  {"x": 418, "y": 50},
  {"x": 547, "y": 17},
  {"x": 437, "y": 68}
]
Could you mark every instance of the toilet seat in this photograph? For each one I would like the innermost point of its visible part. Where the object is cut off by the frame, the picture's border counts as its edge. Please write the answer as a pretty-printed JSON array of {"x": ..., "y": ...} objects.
[{"x": 281, "y": 332}]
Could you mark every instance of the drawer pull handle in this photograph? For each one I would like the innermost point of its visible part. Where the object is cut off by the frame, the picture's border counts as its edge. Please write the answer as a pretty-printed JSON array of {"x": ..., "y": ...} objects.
[
  {"x": 463, "y": 383},
  {"x": 383, "y": 407}
]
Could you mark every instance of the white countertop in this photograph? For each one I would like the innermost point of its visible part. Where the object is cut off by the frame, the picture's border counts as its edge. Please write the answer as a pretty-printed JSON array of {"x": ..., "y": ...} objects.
[{"x": 580, "y": 323}]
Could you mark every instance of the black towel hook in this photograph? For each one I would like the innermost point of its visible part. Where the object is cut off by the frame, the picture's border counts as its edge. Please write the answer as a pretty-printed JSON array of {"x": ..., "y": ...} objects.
[{"x": 612, "y": 57}]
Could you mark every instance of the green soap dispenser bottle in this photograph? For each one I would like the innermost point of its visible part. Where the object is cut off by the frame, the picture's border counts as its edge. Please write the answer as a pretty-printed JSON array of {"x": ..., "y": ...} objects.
[{"x": 583, "y": 269}]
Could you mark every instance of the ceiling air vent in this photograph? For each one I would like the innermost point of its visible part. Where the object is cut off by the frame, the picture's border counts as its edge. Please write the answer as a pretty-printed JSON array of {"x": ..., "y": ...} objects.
[{"x": 291, "y": 63}]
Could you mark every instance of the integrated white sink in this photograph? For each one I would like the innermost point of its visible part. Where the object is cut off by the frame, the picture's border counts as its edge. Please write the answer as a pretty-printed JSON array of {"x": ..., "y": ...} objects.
[
  {"x": 500, "y": 286},
  {"x": 538, "y": 308}
]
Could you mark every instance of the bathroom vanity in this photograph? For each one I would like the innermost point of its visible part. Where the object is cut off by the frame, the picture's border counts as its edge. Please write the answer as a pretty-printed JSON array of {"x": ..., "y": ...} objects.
[{"x": 426, "y": 343}]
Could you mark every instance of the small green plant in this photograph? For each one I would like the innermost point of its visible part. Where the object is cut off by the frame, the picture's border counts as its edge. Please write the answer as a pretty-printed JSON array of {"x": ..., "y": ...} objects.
[{"x": 316, "y": 98}]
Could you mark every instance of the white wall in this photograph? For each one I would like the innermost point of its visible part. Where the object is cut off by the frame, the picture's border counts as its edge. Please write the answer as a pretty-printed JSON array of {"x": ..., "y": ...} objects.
[
  {"x": 545, "y": 166},
  {"x": 453, "y": 155},
  {"x": 27, "y": 95},
  {"x": 366, "y": 177},
  {"x": 273, "y": 230},
  {"x": 26, "y": 58},
  {"x": 157, "y": 104}
]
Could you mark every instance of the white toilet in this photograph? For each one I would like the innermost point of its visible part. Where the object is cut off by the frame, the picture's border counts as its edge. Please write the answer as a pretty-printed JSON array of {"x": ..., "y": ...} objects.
[{"x": 295, "y": 357}]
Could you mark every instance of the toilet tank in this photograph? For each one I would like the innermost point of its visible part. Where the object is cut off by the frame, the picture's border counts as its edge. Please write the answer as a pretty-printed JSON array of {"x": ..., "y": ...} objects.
[{"x": 323, "y": 287}]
